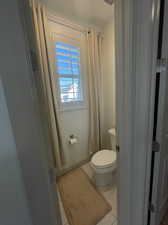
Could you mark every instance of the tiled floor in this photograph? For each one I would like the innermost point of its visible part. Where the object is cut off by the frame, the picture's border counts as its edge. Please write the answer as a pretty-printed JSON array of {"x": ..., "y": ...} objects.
[{"x": 110, "y": 196}]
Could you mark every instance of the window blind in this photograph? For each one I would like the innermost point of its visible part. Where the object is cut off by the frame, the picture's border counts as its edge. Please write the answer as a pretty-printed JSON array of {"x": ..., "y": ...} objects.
[{"x": 68, "y": 69}]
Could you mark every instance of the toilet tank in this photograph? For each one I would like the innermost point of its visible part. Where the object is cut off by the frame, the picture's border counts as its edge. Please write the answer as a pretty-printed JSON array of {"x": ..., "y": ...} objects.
[{"x": 112, "y": 133}]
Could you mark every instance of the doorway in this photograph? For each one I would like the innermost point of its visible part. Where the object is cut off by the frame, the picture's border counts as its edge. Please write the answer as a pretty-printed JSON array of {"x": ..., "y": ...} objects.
[
  {"x": 86, "y": 94},
  {"x": 75, "y": 52}
]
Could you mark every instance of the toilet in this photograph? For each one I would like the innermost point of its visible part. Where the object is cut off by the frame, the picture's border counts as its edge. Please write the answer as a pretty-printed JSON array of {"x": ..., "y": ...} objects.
[{"x": 103, "y": 164}]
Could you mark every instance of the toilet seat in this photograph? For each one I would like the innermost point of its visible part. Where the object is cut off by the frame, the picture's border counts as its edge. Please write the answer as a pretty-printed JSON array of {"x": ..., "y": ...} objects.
[{"x": 104, "y": 158}]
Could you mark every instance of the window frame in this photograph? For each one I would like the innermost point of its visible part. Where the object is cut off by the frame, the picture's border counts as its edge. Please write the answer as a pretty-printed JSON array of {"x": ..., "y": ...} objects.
[
  {"x": 73, "y": 105},
  {"x": 70, "y": 75}
]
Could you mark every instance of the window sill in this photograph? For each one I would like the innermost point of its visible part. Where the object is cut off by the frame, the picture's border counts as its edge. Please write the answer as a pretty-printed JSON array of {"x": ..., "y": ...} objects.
[{"x": 73, "y": 107}]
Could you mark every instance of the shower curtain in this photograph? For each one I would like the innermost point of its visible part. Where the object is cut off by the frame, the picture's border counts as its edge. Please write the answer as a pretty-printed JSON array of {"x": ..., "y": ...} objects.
[
  {"x": 94, "y": 41},
  {"x": 44, "y": 77}
]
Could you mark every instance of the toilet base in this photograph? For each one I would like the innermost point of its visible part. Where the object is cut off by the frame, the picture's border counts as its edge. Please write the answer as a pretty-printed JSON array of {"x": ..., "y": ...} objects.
[{"x": 104, "y": 181}]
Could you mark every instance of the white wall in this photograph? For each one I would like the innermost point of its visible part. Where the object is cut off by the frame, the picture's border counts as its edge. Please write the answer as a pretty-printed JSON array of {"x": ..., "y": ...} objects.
[
  {"x": 75, "y": 122},
  {"x": 108, "y": 58},
  {"x": 13, "y": 203}
]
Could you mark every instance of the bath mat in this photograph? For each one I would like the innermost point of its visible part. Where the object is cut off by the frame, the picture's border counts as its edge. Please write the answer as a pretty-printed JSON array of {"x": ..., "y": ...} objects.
[{"x": 83, "y": 204}]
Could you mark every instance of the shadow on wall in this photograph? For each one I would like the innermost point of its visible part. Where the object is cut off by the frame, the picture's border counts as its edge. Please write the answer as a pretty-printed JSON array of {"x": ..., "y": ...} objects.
[
  {"x": 108, "y": 57},
  {"x": 13, "y": 204}
]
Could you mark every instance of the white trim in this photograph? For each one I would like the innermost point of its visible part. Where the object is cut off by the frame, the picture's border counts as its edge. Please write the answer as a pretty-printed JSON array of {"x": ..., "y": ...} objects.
[
  {"x": 157, "y": 182},
  {"x": 84, "y": 28},
  {"x": 136, "y": 41},
  {"x": 145, "y": 67},
  {"x": 63, "y": 21},
  {"x": 156, "y": 9},
  {"x": 123, "y": 43}
]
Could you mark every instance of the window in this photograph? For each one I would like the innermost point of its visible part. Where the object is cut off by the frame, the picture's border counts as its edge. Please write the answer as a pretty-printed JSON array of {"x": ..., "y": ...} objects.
[{"x": 69, "y": 72}]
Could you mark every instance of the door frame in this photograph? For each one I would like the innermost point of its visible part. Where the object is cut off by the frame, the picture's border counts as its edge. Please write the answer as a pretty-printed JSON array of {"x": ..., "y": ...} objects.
[
  {"x": 25, "y": 117},
  {"x": 137, "y": 25},
  {"x": 136, "y": 48},
  {"x": 156, "y": 217}
]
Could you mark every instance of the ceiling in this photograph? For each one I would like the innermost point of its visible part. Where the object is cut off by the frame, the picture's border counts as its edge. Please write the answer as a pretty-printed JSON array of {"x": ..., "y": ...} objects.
[{"x": 91, "y": 12}]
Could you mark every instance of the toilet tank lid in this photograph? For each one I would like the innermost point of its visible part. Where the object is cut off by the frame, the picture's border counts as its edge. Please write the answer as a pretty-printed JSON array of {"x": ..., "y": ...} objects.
[
  {"x": 104, "y": 158},
  {"x": 112, "y": 131}
]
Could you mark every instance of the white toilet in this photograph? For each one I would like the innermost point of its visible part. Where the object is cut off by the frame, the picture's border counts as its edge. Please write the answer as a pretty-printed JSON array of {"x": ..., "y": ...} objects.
[{"x": 103, "y": 164}]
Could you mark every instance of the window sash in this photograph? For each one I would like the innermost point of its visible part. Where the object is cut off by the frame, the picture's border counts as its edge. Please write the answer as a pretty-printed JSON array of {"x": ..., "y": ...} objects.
[{"x": 69, "y": 63}]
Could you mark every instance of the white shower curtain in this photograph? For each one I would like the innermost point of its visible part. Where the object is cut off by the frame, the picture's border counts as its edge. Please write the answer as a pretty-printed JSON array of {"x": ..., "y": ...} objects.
[
  {"x": 46, "y": 86},
  {"x": 95, "y": 90}
]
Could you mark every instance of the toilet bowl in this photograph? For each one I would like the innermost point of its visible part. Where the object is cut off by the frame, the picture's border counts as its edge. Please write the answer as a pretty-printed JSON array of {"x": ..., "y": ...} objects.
[{"x": 104, "y": 165}]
